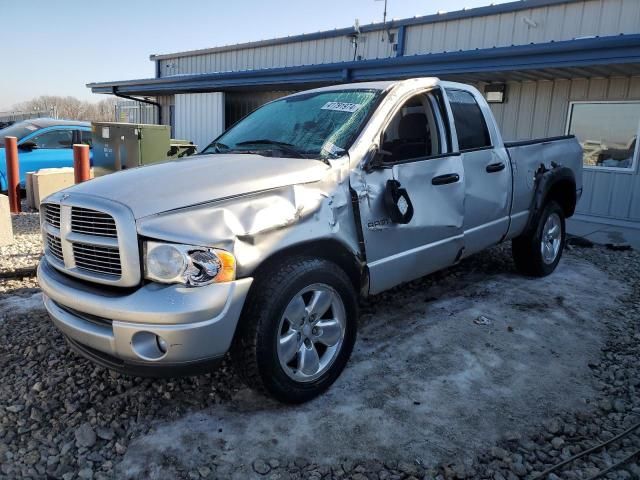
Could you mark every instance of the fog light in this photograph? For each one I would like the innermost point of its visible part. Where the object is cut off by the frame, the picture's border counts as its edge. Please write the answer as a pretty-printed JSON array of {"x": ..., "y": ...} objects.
[
  {"x": 162, "y": 344},
  {"x": 149, "y": 346}
]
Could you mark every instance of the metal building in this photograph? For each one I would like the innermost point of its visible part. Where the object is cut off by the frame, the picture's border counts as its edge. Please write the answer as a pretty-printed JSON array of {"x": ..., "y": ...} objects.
[{"x": 550, "y": 67}]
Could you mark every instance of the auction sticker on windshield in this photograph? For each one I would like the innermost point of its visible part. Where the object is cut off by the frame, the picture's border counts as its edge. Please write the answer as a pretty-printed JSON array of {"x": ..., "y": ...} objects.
[{"x": 341, "y": 106}]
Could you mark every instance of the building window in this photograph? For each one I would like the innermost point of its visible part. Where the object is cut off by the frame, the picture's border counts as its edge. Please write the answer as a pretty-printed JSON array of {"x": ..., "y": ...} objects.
[{"x": 607, "y": 132}]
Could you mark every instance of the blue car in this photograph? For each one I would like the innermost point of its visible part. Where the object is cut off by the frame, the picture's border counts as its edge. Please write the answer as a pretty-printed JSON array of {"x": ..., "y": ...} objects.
[{"x": 43, "y": 143}]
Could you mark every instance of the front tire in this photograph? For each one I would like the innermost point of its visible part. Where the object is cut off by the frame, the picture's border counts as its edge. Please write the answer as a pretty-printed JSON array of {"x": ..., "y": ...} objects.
[
  {"x": 538, "y": 252},
  {"x": 298, "y": 329}
]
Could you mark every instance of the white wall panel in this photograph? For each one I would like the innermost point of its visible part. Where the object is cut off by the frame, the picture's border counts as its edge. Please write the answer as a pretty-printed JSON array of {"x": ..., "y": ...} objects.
[{"x": 199, "y": 117}]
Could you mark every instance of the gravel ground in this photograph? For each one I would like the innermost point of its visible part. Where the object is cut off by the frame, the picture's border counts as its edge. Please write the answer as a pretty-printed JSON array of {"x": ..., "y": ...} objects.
[
  {"x": 63, "y": 417},
  {"x": 26, "y": 248}
]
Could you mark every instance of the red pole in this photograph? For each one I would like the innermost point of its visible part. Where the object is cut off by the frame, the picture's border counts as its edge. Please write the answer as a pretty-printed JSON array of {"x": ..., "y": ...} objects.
[
  {"x": 13, "y": 173},
  {"x": 81, "y": 167}
]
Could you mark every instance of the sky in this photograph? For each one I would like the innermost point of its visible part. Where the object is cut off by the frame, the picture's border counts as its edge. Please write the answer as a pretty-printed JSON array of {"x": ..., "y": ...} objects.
[{"x": 57, "y": 47}]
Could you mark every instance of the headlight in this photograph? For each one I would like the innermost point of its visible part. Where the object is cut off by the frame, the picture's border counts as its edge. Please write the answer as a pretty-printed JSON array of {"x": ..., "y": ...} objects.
[{"x": 188, "y": 264}]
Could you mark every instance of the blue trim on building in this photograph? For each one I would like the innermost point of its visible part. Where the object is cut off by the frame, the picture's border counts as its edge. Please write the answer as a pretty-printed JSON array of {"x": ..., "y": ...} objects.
[
  {"x": 402, "y": 38},
  {"x": 621, "y": 49},
  {"x": 340, "y": 32}
]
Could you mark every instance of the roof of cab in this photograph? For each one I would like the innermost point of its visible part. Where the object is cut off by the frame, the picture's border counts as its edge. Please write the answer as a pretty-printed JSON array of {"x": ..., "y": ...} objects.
[
  {"x": 53, "y": 122},
  {"x": 380, "y": 85}
]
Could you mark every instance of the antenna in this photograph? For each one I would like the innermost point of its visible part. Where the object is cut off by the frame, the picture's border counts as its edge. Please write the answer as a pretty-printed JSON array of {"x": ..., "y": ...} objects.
[
  {"x": 354, "y": 38},
  {"x": 384, "y": 21}
]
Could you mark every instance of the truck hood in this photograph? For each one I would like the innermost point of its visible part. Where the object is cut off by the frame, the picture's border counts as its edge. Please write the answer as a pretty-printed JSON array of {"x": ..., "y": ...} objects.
[{"x": 200, "y": 179}]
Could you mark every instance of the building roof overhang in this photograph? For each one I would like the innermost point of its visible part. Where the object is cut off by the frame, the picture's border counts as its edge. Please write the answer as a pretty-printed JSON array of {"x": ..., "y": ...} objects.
[{"x": 585, "y": 57}]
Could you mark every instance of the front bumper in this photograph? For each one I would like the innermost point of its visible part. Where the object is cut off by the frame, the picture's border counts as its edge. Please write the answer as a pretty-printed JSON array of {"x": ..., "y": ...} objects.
[{"x": 118, "y": 328}]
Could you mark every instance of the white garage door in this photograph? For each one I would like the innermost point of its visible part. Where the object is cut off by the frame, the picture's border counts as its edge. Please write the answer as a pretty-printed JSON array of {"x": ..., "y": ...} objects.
[{"x": 199, "y": 117}]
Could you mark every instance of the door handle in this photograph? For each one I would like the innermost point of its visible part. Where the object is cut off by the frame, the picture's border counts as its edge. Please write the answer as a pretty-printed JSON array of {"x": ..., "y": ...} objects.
[
  {"x": 495, "y": 167},
  {"x": 445, "y": 179}
]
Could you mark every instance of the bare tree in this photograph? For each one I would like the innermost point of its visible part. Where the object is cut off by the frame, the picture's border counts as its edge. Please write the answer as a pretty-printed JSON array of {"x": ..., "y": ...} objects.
[{"x": 71, "y": 108}]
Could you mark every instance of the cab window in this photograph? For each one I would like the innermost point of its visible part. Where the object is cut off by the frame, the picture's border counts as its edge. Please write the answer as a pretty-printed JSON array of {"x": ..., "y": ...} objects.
[
  {"x": 471, "y": 126},
  {"x": 412, "y": 133},
  {"x": 54, "y": 139}
]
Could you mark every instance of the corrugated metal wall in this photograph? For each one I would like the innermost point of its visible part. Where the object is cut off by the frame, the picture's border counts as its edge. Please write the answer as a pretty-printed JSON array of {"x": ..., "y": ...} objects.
[
  {"x": 540, "y": 109},
  {"x": 199, "y": 117},
  {"x": 328, "y": 50},
  {"x": 167, "y": 102},
  {"x": 557, "y": 22}
]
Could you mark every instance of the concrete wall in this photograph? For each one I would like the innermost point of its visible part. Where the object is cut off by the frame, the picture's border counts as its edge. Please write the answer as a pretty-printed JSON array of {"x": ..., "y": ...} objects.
[{"x": 540, "y": 108}]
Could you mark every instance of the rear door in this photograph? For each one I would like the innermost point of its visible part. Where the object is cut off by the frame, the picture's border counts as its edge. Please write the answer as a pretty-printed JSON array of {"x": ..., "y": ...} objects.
[
  {"x": 487, "y": 188},
  {"x": 417, "y": 159}
]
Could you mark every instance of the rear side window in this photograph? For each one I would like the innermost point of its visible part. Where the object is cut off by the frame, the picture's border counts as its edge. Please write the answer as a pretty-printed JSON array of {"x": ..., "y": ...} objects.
[
  {"x": 85, "y": 137},
  {"x": 470, "y": 124}
]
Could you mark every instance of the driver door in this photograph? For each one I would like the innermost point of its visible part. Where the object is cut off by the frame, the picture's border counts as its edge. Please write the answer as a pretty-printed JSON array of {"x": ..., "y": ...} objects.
[{"x": 416, "y": 154}]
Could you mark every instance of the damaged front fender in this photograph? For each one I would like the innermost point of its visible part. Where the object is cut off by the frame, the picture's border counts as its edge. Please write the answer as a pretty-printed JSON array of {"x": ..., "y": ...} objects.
[{"x": 256, "y": 226}]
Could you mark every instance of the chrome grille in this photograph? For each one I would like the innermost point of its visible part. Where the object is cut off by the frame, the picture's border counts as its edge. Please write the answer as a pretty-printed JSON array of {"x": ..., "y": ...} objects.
[
  {"x": 83, "y": 237},
  {"x": 98, "y": 259},
  {"x": 92, "y": 222},
  {"x": 51, "y": 212},
  {"x": 54, "y": 247}
]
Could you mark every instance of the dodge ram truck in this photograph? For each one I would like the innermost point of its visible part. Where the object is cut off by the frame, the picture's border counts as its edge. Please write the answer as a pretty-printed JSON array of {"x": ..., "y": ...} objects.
[{"x": 262, "y": 244}]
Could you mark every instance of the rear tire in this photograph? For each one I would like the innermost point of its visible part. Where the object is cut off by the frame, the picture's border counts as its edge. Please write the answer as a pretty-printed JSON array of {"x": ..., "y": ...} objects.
[
  {"x": 538, "y": 252},
  {"x": 297, "y": 330}
]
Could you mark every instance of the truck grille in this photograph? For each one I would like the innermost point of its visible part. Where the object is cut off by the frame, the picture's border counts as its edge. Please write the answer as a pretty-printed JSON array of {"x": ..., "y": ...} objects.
[
  {"x": 105, "y": 260},
  {"x": 92, "y": 222},
  {"x": 85, "y": 243},
  {"x": 54, "y": 247},
  {"x": 51, "y": 213}
]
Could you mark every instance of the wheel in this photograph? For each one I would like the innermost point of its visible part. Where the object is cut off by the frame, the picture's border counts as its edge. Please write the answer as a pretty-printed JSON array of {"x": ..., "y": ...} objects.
[
  {"x": 538, "y": 252},
  {"x": 298, "y": 329}
]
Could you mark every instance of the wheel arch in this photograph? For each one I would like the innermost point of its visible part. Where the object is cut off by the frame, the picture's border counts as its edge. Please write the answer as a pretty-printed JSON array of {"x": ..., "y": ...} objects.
[
  {"x": 556, "y": 184},
  {"x": 327, "y": 249}
]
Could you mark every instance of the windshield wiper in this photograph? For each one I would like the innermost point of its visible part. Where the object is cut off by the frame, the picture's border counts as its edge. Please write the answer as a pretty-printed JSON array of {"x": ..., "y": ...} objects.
[
  {"x": 284, "y": 145},
  {"x": 217, "y": 146}
]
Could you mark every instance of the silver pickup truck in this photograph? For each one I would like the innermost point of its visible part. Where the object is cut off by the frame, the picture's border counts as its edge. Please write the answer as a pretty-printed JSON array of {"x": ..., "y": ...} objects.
[{"x": 262, "y": 244}]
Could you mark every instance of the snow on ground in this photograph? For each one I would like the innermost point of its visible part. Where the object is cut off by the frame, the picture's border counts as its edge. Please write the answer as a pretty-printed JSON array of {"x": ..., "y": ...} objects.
[
  {"x": 426, "y": 382},
  {"x": 16, "y": 305}
]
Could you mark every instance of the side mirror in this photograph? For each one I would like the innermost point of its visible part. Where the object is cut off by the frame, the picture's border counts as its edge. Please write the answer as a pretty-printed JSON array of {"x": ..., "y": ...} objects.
[
  {"x": 27, "y": 146},
  {"x": 375, "y": 158}
]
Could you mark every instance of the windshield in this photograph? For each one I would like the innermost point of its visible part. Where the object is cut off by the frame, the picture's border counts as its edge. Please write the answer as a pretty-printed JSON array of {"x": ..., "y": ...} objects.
[
  {"x": 310, "y": 125},
  {"x": 18, "y": 130}
]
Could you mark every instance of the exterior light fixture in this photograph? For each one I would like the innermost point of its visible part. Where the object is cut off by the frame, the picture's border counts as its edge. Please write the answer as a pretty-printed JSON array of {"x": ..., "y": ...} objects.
[{"x": 496, "y": 92}]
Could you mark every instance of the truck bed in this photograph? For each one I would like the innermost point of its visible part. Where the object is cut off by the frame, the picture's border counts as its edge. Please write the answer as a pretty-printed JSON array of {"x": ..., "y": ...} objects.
[{"x": 526, "y": 156}]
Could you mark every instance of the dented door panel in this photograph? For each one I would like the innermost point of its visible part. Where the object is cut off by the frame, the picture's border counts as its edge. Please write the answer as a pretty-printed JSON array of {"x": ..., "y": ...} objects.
[
  {"x": 433, "y": 237},
  {"x": 487, "y": 198}
]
